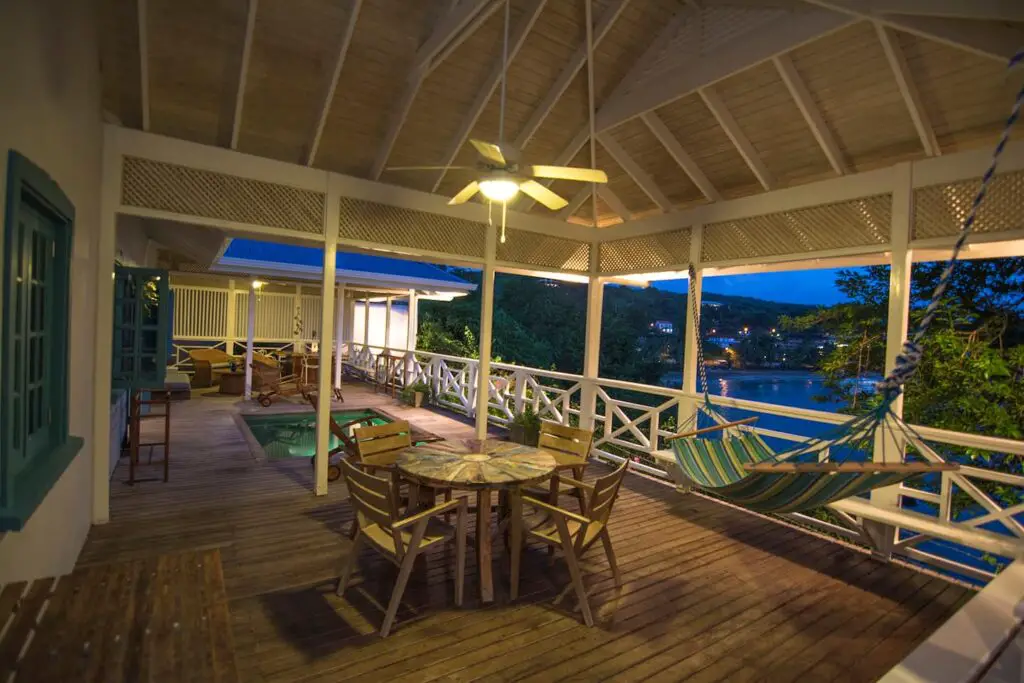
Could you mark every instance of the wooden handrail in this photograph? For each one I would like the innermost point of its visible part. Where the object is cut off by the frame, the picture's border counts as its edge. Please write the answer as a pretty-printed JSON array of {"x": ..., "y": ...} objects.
[{"x": 705, "y": 430}]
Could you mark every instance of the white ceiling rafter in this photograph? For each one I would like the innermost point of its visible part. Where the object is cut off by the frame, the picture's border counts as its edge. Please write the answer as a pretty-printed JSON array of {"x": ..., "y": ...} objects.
[
  {"x": 575, "y": 203},
  {"x": 332, "y": 83},
  {"x": 746, "y": 50},
  {"x": 676, "y": 151},
  {"x": 812, "y": 115},
  {"x": 639, "y": 176},
  {"x": 898, "y": 63},
  {"x": 614, "y": 203},
  {"x": 986, "y": 39},
  {"x": 741, "y": 142},
  {"x": 243, "y": 72},
  {"x": 991, "y": 10},
  {"x": 452, "y": 29},
  {"x": 143, "y": 12},
  {"x": 576, "y": 62},
  {"x": 516, "y": 40}
]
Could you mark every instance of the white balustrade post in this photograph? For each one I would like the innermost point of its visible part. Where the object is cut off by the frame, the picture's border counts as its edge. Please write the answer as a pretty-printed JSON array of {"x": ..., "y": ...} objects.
[
  {"x": 387, "y": 322},
  {"x": 339, "y": 334},
  {"x": 250, "y": 338},
  {"x": 229, "y": 323},
  {"x": 486, "y": 318},
  {"x": 520, "y": 395},
  {"x": 687, "y": 406},
  {"x": 324, "y": 393},
  {"x": 592, "y": 343}
]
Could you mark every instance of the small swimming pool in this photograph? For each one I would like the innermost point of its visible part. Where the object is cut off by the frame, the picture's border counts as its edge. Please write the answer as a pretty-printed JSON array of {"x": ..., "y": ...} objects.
[{"x": 294, "y": 436}]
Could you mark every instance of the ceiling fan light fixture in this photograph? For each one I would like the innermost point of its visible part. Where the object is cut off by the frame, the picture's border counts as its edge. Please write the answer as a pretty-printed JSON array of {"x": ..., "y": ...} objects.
[{"x": 499, "y": 189}]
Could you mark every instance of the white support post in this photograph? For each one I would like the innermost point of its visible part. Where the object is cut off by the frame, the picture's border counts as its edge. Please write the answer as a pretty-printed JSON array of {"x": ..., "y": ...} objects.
[
  {"x": 366, "y": 322},
  {"x": 250, "y": 338},
  {"x": 387, "y": 322},
  {"x": 297, "y": 334},
  {"x": 229, "y": 324},
  {"x": 324, "y": 392},
  {"x": 411, "y": 331},
  {"x": 483, "y": 373},
  {"x": 688, "y": 408},
  {"x": 339, "y": 334},
  {"x": 592, "y": 342}
]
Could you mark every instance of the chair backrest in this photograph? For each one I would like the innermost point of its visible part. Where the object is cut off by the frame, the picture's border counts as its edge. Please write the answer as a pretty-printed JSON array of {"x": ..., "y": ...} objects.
[
  {"x": 606, "y": 489},
  {"x": 211, "y": 355},
  {"x": 372, "y": 498},
  {"x": 380, "y": 438},
  {"x": 570, "y": 440}
]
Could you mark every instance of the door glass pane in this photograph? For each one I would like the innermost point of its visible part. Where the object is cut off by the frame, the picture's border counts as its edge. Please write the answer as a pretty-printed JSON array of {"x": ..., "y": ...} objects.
[
  {"x": 150, "y": 339},
  {"x": 148, "y": 365}
]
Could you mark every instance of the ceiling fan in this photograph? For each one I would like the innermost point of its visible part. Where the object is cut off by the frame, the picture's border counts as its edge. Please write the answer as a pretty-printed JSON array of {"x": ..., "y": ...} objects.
[{"x": 501, "y": 176}]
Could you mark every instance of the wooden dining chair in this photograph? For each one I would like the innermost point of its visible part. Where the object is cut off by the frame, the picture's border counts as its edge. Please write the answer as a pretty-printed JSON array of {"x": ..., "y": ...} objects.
[
  {"x": 570, "y": 447},
  {"x": 399, "y": 540},
  {"x": 573, "y": 533}
]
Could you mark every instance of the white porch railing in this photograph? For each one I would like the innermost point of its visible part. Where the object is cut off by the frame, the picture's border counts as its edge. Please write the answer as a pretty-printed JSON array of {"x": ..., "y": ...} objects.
[{"x": 630, "y": 425}]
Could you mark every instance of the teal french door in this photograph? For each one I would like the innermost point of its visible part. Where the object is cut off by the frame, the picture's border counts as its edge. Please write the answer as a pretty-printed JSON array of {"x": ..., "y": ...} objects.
[{"x": 141, "y": 322}]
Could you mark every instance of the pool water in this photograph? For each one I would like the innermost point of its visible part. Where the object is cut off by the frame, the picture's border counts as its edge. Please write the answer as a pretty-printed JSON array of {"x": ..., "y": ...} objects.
[{"x": 294, "y": 436}]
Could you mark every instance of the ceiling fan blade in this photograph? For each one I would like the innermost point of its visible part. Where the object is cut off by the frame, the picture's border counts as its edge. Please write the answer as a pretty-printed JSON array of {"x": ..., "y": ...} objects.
[
  {"x": 542, "y": 194},
  {"x": 465, "y": 194},
  {"x": 587, "y": 175},
  {"x": 425, "y": 168},
  {"x": 490, "y": 152}
]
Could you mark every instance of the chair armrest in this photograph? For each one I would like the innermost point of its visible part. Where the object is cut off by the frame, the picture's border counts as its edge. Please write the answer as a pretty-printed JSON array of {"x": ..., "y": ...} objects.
[
  {"x": 541, "y": 505},
  {"x": 432, "y": 512},
  {"x": 576, "y": 482}
]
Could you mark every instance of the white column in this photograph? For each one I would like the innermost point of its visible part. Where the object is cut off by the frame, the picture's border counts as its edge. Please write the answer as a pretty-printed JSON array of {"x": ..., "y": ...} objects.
[
  {"x": 339, "y": 334},
  {"x": 324, "y": 392},
  {"x": 250, "y": 337},
  {"x": 387, "y": 322},
  {"x": 592, "y": 342},
  {"x": 687, "y": 408},
  {"x": 413, "y": 321},
  {"x": 486, "y": 318},
  {"x": 229, "y": 324},
  {"x": 366, "y": 321},
  {"x": 297, "y": 337}
]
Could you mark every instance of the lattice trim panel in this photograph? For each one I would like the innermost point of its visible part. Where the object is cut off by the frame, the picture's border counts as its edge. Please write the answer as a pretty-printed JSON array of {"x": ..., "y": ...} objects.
[
  {"x": 535, "y": 249},
  {"x": 940, "y": 210},
  {"x": 180, "y": 189},
  {"x": 368, "y": 221},
  {"x": 646, "y": 253},
  {"x": 855, "y": 223}
]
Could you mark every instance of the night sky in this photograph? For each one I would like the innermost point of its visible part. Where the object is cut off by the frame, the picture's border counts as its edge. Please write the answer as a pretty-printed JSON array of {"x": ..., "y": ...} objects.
[{"x": 798, "y": 287}]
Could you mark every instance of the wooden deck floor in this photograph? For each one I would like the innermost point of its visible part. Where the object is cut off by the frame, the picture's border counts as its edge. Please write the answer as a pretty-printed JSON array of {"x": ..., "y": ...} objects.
[{"x": 710, "y": 594}]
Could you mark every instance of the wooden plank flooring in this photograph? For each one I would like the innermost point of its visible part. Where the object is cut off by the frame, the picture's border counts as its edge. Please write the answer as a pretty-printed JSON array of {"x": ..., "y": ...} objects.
[{"x": 710, "y": 593}]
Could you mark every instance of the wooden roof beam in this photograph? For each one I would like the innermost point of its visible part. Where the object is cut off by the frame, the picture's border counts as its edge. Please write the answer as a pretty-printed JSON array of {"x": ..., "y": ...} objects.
[
  {"x": 812, "y": 115},
  {"x": 516, "y": 40},
  {"x": 748, "y": 49},
  {"x": 990, "y": 10},
  {"x": 742, "y": 143},
  {"x": 332, "y": 83},
  {"x": 466, "y": 17},
  {"x": 614, "y": 203},
  {"x": 900, "y": 69},
  {"x": 576, "y": 62},
  {"x": 634, "y": 171},
  {"x": 243, "y": 73},
  {"x": 143, "y": 12},
  {"x": 676, "y": 151},
  {"x": 986, "y": 39}
]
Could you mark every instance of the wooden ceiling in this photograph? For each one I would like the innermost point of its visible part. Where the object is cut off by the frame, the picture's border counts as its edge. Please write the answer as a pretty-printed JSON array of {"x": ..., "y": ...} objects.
[{"x": 354, "y": 86}]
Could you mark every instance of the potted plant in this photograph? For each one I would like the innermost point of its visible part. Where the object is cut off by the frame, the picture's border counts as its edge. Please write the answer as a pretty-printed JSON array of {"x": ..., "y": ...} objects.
[
  {"x": 415, "y": 393},
  {"x": 525, "y": 427}
]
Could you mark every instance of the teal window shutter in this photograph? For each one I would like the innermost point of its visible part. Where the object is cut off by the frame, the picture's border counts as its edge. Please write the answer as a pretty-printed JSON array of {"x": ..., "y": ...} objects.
[{"x": 141, "y": 325}]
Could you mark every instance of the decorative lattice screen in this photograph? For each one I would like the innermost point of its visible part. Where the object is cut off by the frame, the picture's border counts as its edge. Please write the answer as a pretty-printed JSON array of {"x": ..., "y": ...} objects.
[
  {"x": 646, "y": 253},
  {"x": 939, "y": 210},
  {"x": 535, "y": 249},
  {"x": 194, "y": 192},
  {"x": 390, "y": 225},
  {"x": 859, "y": 222}
]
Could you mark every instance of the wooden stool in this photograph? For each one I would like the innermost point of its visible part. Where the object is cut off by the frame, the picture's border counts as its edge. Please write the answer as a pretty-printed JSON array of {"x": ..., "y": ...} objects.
[{"x": 135, "y": 418}]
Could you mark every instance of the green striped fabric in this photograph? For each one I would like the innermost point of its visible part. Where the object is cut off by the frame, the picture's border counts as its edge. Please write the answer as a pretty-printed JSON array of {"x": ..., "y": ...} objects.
[{"x": 716, "y": 465}]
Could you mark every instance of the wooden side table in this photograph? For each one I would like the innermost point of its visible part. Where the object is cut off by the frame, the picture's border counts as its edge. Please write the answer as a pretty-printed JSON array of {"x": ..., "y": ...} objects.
[{"x": 232, "y": 383}]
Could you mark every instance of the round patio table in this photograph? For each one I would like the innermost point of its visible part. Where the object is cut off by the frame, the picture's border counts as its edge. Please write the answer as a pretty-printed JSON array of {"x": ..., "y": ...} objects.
[{"x": 481, "y": 466}]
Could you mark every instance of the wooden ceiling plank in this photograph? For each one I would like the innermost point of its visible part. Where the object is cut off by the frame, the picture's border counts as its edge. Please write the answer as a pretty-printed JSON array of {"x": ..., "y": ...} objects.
[
  {"x": 639, "y": 176},
  {"x": 993, "y": 10},
  {"x": 911, "y": 96},
  {"x": 728, "y": 123},
  {"x": 576, "y": 63},
  {"x": 986, "y": 39},
  {"x": 332, "y": 83},
  {"x": 613, "y": 202},
  {"x": 243, "y": 72},
  {"x": 143, "y": 11},
  {"x": 450, "y": 32},
  {"x": 750, "y": 48},
  {"x": 516, "y": 41},
  {"x": 811, "y": 113},
  {"x": 575, "y": 203},
  {"x": 681, "y": 157}
]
